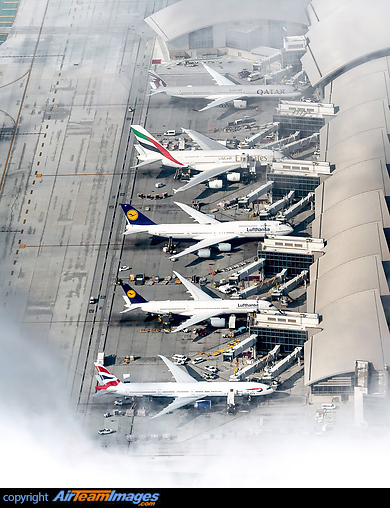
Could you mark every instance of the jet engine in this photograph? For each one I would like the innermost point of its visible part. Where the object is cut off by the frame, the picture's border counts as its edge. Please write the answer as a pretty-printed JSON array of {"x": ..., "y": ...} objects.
[
  {"x": 218, "y": 322},
  {"x": 224, "y": 247},
  {"x": 204, "y": 253},
  {"x": 239, "y": 104},
  {"x": 233, "y": 177},
  {"x": 216, "y": 184}
]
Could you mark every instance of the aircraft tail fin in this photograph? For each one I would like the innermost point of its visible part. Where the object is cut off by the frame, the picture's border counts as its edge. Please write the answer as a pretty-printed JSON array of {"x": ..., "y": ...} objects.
[
  {"x": 131, "y": 296},
  {"x": 156, "y": 81},
  {"x": 151, "y": 146},
  {"x": 135, "y": 217},
  {"x": 107, "y": 380}
]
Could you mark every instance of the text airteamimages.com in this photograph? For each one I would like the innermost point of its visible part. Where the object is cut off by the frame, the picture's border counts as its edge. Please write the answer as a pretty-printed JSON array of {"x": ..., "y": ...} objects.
[{"x": 85, "y": 495}]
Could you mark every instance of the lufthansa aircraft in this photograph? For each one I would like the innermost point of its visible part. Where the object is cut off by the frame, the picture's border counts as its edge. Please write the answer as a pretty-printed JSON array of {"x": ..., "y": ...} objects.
[
  {"x": 208, "y": 232},
  {"x": 186, "y": 389},
  {"x": 224, "y": 91},
  {"x": 212, "y": 160},
  {"x": 202, "y": 308}
]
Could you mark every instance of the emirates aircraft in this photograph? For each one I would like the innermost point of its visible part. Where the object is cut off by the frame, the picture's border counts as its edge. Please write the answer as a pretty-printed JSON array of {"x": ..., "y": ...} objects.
[
  {"x": 202, "y": 307},
  {"x": 212, "y": 160},
  {"x": 223, "y": 91},
  {"x": 207, "y": 232},
  {"x": 186, "y": 389}
]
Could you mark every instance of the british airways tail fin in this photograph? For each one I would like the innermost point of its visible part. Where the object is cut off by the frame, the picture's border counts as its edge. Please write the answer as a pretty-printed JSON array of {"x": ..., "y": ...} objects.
[
  {"x": 108, "y": 382},
  {"x": 134, "y": 217}
]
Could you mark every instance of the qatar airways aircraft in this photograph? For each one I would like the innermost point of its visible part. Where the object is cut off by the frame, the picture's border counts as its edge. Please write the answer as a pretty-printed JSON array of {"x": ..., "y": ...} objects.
[
  {"x": 202, "y": 308},
  {"x": 212, "y": 160},
  {"x": 224, "y": 91},
  {"x": 186, "y": 389},
  {"x": 208, "y": 232}
]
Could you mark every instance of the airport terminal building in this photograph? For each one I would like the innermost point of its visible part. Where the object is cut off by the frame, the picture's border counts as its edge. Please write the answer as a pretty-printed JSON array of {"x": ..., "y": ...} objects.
[
  {"x": 349, "y": 283},
  {"x": 349, "y": 280},
  {"x": 202, "y": 31}
]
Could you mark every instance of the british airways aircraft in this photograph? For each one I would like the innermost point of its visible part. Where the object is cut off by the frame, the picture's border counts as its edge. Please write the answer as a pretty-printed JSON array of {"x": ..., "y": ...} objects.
[
  {"x": 207, "y": 232},
  {"x": 186, "y": 389},
  {"x": 203, "y": 307},
  {"x": 224, "y": 91}
]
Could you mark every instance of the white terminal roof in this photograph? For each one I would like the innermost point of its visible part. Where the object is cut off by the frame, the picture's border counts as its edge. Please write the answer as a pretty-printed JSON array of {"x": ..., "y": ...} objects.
[
  {"x": 343, "y": 33},
  {"x": 191, "y": 15},
  {"x": 348, "y": 284}
]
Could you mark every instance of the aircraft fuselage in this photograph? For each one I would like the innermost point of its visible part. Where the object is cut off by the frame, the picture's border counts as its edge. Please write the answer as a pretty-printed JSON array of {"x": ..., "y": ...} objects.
[
  {"x": 197, "y": 389},
  {"x": 238, "y": 229}
]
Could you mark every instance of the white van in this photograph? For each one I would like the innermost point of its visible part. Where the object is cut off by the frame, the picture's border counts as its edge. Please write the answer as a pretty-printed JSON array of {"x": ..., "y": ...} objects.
[
  {"x": 170, "y": 133},
  {"x": 179, "y": 357},
  {"x": 328, "y": 407}
]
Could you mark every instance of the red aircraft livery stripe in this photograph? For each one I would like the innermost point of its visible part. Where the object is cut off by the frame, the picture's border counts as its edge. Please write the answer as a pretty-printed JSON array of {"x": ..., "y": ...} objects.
[{"x": 159, "y": 147}]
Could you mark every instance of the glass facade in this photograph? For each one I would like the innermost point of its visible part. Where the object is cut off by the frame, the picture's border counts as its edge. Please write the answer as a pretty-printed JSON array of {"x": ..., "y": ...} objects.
[
  {"x": 285, "y": 182},
  {"x": 268, "y": 338},
  {"x": 243, "y": 39},
  {"x": 334, "y": 386},
  {"x": 307, "y": 125},
  {"x": 201, "y": 38},
  {"x": 276, "y": 261}
]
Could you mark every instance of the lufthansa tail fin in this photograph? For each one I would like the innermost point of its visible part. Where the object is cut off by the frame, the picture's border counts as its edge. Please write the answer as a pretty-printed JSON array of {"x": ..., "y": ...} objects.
[
  {"x": 134, "y": 217},
  {"x": 107, "y": 380},
  {"x": 131, "y": 296}
]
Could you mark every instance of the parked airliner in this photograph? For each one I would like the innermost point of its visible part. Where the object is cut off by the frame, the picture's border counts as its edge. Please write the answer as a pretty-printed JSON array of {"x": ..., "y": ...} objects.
[
  {"x": 223, "y": 92},
  {"x": 202, "y": 308},
  {"x": 207, "y": 233},
  {"x": 186, "y": 389},
  {"x": 212, "y": 160}
]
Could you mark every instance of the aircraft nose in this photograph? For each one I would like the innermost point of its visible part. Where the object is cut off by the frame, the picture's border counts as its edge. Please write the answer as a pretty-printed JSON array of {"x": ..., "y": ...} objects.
[{"x": 286, "y": 229}]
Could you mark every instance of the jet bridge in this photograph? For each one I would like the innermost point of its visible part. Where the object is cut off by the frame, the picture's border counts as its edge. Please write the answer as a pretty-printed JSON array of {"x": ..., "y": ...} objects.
[
  {"x": 246, "y": 371},
  {"x": 297, "y": 207},
  {"x": 299, "y": 144},
  {"x": 247, "y": 270},
  {"x": 275, "y": 371},
  {"x": 273, "y": 209},
  {"x": 287, "y": 287},
  {"x": 256, "y": 138},
  {"x": 232, "y": 353},
  {"x": 255, "y": 194},
  {"x": 263, "y": 286},
  {"x": 277, "y": 145}
]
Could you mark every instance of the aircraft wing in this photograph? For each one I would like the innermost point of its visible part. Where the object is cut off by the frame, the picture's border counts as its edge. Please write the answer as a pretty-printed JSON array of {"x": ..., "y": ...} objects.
[
  {"x": 196, "y": 293},
  {"x": 180, "y": 375},
  {"x": 200, "y": 217},
  {"x": 203, "y": 244},
  {"x": 219, "y": 100},
  {"x": 207, "y": 171},
  {"x": 204, "y": 142},
  {"x": 197, "y": 318},
  {"x": 218, "y": 78},
  {"x": 176, "y": 404}
]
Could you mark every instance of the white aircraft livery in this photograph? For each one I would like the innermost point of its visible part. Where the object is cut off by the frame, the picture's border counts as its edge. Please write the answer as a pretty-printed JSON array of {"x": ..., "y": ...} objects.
[
  {"x": 202, "y": 308},
  {"x": 212, "y": 160},
  {"x": 207, "y": 232},
  {"x": 186, "y": 389},
  {"x": 223, "y": 92}
]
